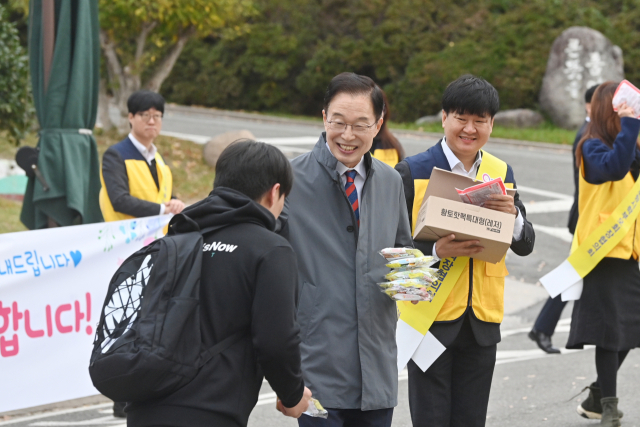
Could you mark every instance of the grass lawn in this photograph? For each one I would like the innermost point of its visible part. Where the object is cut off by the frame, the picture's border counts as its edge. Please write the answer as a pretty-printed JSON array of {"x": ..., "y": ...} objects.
[
  {"x": 547, "y": 132},
  {"x": 192, "y": 177}
]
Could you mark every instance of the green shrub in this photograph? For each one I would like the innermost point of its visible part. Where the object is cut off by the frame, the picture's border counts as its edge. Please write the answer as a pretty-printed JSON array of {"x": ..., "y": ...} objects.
[
  {"x": 412, "y": 48},
  {"x": 16, "y": 107}
]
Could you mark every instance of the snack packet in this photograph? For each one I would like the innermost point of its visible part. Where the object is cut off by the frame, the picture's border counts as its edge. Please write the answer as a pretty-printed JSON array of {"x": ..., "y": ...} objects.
[
  {"x": 406, "y": 283},
  {"x": 481, "y": 193},
  {"x": 396, "y": 253},
  {"x": 627, "y": 92},
  {"x": 409, "y": 294},
  {"x": 423, "y": 261},
  {"x": 426, "y": 274},
  {"x": 316, "y": 410}
]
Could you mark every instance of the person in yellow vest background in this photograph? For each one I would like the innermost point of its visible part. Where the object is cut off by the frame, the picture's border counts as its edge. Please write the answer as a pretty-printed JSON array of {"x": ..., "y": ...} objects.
[
  {"x": 607, "y": 314},
  {"x": 454, "y": 390},
  {"x": 386, "y": 147},
  {"x": 135, "y": 180}
]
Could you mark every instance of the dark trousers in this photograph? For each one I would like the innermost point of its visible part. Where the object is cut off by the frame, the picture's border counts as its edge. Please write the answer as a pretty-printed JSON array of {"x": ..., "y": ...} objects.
[
  {"x": 549, "y": 315},
  {"x": 454, "y": 391},
  {"x": 349, "y": 418}
]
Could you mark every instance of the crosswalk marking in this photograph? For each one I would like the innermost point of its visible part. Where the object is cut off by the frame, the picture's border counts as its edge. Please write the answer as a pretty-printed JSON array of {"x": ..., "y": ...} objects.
[{"x": 561, "y": 233}]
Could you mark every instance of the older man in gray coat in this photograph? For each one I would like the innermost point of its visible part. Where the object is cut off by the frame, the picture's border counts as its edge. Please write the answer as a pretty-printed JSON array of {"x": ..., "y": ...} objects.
[{"x": 343, "y": 209}]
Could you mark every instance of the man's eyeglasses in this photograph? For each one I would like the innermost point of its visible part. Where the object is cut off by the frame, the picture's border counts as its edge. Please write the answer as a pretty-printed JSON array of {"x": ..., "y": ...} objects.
[
  {"x": 146, "y": 117},
  {"x": 358, "y": 128}
]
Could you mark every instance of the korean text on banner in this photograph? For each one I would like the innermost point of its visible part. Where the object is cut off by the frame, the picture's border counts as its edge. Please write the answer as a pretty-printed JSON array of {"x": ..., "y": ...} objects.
[{"x": 52, "y": 286}]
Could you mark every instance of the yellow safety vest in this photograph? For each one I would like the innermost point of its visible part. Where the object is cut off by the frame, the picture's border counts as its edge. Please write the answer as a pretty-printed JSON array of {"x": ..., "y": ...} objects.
[
  {"x": 487, "y": 299},
  {"x": 387, "y": 155},
  {"x": 596, "y": 202},
  {"x": 141, "y": 186}
]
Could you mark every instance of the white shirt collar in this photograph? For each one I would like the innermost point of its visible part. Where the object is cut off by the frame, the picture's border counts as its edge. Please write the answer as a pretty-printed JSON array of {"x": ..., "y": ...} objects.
[
  {"x": 148, "y": 154},
  {"x": 359, "y": 168},
  {"x": 454, "y": 161}
]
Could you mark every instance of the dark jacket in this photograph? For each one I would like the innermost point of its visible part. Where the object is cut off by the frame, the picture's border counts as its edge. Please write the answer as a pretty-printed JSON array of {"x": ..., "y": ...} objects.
[
  {"x": 420, "y": 167},
  {"x": 573, "y": 213},
  {"x": 249, "y": 283}
]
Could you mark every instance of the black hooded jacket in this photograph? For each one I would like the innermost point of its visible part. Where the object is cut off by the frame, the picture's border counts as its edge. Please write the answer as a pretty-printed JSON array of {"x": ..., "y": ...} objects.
[{"x": 248, "y": 283}]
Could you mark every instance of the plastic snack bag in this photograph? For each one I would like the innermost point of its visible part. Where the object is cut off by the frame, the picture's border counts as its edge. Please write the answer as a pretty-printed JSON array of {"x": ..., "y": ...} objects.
[
  {"x": 405, "y": 283},
  {"x": 423, "y": 261},
  {"x": 316, "y": 410},
  {"x": 409, "y": 294},
  {"x": 481, "y": 193},
  {"x": 627, "y": 92},
  {"x": 396, "y": 253},
  {"x": 426, "y": 274}
]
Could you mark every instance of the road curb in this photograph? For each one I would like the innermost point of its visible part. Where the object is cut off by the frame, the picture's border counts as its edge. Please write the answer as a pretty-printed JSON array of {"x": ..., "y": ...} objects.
[
  {"x": 53, "y": 407},
  {"x": 173, "y": 108}
]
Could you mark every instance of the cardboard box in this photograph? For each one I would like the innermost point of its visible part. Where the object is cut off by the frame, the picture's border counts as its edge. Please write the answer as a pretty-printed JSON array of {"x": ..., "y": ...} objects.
[{"x": 442, "y": 212}]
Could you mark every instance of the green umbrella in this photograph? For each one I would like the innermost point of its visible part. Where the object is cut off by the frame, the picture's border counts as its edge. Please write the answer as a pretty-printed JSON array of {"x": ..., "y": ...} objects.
[{"x": 64, "y": 54}]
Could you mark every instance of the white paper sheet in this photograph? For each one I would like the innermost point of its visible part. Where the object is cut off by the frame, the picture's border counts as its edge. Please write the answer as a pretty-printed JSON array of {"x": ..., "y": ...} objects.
[
  {"x": 573, "y": 293},
  {"x": 428, "y": 351},
  {"x": 407, "y": 340},
  {"x": 560, "y": 279}
]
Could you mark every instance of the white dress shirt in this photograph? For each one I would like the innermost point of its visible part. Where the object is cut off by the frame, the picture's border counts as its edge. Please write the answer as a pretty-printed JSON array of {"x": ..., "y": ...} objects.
[
  {"x": 149, "y": 155},
  {"x": 361, "y": 175},
  {"x": 458, "y": 167}
]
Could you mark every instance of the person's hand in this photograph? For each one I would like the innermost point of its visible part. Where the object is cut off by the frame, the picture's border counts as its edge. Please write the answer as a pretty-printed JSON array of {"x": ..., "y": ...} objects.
[
  {"x": 174, "y": 206},
  {"x": 297, "y": 410},
  {"x": 447, "y": 248},
  {"x": 502, "y": 203},
  {"x": 625, "y": 111}
]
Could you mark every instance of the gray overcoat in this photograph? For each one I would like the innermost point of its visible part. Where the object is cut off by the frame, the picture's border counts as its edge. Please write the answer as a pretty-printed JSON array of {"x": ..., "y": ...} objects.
[{"x": 347, "y": 324}]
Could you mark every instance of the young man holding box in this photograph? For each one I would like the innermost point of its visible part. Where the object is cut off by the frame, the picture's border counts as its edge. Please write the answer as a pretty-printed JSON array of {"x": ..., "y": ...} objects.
[{"x": 454, "y": 390}]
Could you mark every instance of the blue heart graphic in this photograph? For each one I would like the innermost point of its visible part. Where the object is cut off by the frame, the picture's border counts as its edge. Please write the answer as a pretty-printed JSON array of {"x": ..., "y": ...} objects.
[{"x": 76, "y": 256}]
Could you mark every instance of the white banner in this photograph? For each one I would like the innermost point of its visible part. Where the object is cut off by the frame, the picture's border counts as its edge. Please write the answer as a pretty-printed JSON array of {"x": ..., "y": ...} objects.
[{"x": 53, "y": 283}]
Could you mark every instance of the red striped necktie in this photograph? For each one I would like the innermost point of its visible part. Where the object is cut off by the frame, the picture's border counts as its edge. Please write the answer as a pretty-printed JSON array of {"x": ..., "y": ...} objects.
[{"x": 352, "y": 193}]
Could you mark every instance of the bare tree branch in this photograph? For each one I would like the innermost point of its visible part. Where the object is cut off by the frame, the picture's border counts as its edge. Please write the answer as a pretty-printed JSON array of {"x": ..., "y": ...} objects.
[
  {"x": 103, "y": 106},
  {"x": 113, "y": 63},
  {"x": 147, "y": 27},
  {"x": 165, "y": 67}
]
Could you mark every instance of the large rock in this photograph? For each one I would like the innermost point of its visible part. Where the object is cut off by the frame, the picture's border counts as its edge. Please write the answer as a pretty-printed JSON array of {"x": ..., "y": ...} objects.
[
  {"x": 436, "y": 118},
  {"x": 580, "y": 58},
  {"x": 217, "y": 144},
  {"x": 518, "y": 118}
]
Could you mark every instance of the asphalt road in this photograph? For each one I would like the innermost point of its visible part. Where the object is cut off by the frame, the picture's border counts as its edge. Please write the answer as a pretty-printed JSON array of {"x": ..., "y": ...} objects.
[{"x": 529, "y": 387}]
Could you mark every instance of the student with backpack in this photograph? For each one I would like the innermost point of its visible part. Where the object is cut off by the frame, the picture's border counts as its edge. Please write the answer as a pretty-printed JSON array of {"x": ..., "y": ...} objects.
[{"x": 246, "y": 305}]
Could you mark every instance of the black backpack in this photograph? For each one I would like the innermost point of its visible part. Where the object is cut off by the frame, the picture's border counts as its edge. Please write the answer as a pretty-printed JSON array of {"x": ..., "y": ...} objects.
[{"x": 148, "y": 342}]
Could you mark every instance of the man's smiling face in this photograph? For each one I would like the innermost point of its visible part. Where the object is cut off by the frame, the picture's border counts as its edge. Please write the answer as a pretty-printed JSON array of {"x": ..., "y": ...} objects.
[
  {"x": 349, "y": 147},
  {"x": 466, "y": 133}
]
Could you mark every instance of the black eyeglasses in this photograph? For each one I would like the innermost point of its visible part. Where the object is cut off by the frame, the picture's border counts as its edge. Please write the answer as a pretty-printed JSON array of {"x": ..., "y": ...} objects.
[{"x": 358, "y": 128}]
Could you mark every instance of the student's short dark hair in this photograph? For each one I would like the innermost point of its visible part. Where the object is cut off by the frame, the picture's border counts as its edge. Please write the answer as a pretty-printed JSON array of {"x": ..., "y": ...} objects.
[
  {"x": 355, "y": 84},
  {"x": 252, "y": 168},
  {"x": 588, "y": 94},
  {"x": 143, "y": 100},
  {"x": 471, "y": 95}
]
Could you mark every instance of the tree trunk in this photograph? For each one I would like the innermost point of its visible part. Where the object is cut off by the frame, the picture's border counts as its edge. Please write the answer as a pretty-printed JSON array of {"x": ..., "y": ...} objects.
[
  {"x": 165, "y": 67},
  {"x": 126, "y": 80},
  {"x": 103, "y": 106},
  {"x": 131, "y": 84}
]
